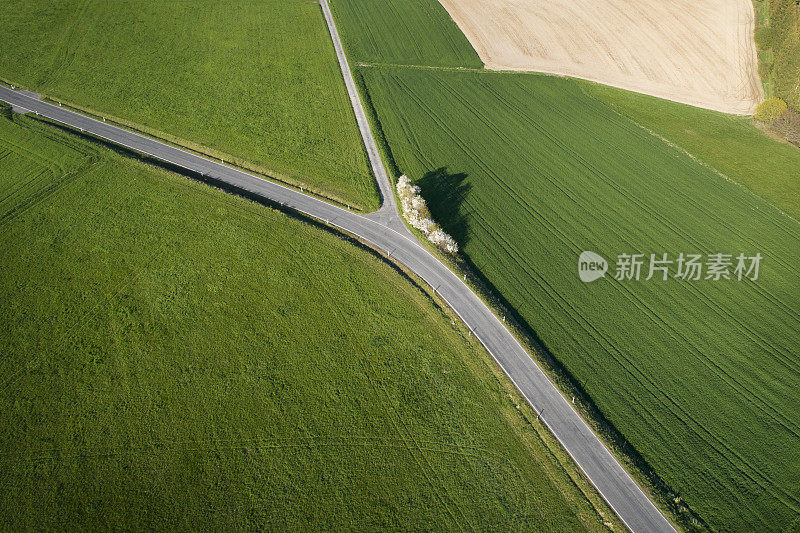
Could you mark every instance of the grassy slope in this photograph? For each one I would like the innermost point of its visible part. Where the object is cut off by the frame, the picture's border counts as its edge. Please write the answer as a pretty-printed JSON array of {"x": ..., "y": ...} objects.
[
  {"x": 765, "y": 55},
  {"x": 408, "y": 32},
  {"x": 778, "y": 38},
  {"x": 177, "y": 358},
  {"x": 700, "y": 377},
  {"x": 729, "y": 144},
  {"x": 231, "y": 77},
  {"x": 785, "y": 19}
]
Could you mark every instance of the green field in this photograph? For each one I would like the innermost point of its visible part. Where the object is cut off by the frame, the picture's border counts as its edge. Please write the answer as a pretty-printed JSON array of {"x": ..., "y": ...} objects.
[
  {"x": 229, "y": 78},
  {"x": 407, "y": 32},
  {"x": 175, "y": 358},
  {"x": 727, "y": 143},
  {"x": 701, "y": 377},
  {"x": 30, "y": 175}
]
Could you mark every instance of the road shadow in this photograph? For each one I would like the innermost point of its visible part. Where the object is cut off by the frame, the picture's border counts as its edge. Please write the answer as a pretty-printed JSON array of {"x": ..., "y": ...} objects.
[{"x": 445, "y": 193}]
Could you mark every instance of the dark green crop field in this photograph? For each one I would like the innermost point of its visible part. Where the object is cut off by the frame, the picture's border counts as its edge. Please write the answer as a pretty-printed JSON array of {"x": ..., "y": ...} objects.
[
  {"x": 408, "y": 32},
  {"x": 701, "y": 377},
  {"x": 175, "y": 358},
  {"x": 252, "y": 81}
]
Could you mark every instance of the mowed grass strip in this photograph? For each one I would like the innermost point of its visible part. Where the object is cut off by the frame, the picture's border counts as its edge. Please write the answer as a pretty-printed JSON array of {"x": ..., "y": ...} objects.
[
  {"x": 178, "y": 358},
  {"x": 527, "y": 172},
  {"x": 407, "y": 32},
  {"x": 252, "y": 81}
]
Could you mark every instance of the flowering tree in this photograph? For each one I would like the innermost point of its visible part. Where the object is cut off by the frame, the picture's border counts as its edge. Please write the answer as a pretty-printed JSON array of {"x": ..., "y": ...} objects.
[{"x": 416, "y": 212}]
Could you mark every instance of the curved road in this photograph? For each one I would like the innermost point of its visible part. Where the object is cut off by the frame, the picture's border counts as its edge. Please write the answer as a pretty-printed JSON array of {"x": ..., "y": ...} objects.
[{"x": 385, "y": 231}]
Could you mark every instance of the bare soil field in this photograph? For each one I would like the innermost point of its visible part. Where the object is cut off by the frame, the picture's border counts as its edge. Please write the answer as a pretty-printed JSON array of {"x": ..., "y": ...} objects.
[{"x": 699, "y": 53}]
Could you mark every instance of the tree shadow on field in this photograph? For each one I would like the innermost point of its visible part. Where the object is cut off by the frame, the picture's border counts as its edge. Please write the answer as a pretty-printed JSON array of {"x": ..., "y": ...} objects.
[{"x": 445, "y": 194}]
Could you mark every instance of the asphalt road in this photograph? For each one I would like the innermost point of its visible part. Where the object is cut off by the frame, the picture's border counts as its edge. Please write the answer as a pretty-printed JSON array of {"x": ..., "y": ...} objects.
[
  {"x": 384, "y": 230},
  {"x": 387, "y": 214}
]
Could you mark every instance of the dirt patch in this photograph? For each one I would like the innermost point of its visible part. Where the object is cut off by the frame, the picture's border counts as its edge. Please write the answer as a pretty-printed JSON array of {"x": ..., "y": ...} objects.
[{"x": 699, "y": 53}]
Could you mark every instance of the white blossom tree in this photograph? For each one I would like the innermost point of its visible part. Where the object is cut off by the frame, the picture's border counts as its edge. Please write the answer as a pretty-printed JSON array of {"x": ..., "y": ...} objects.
[{"x": 415, "y": 211}]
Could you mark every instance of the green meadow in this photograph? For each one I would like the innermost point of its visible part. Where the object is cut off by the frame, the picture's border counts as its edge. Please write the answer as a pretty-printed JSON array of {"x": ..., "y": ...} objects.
[
  {"x": 176, "y": 358},
  {"x": 728, "y": 144},
  {"x": 701, "y": 377},
  {"x": 253, "y": 82}
]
